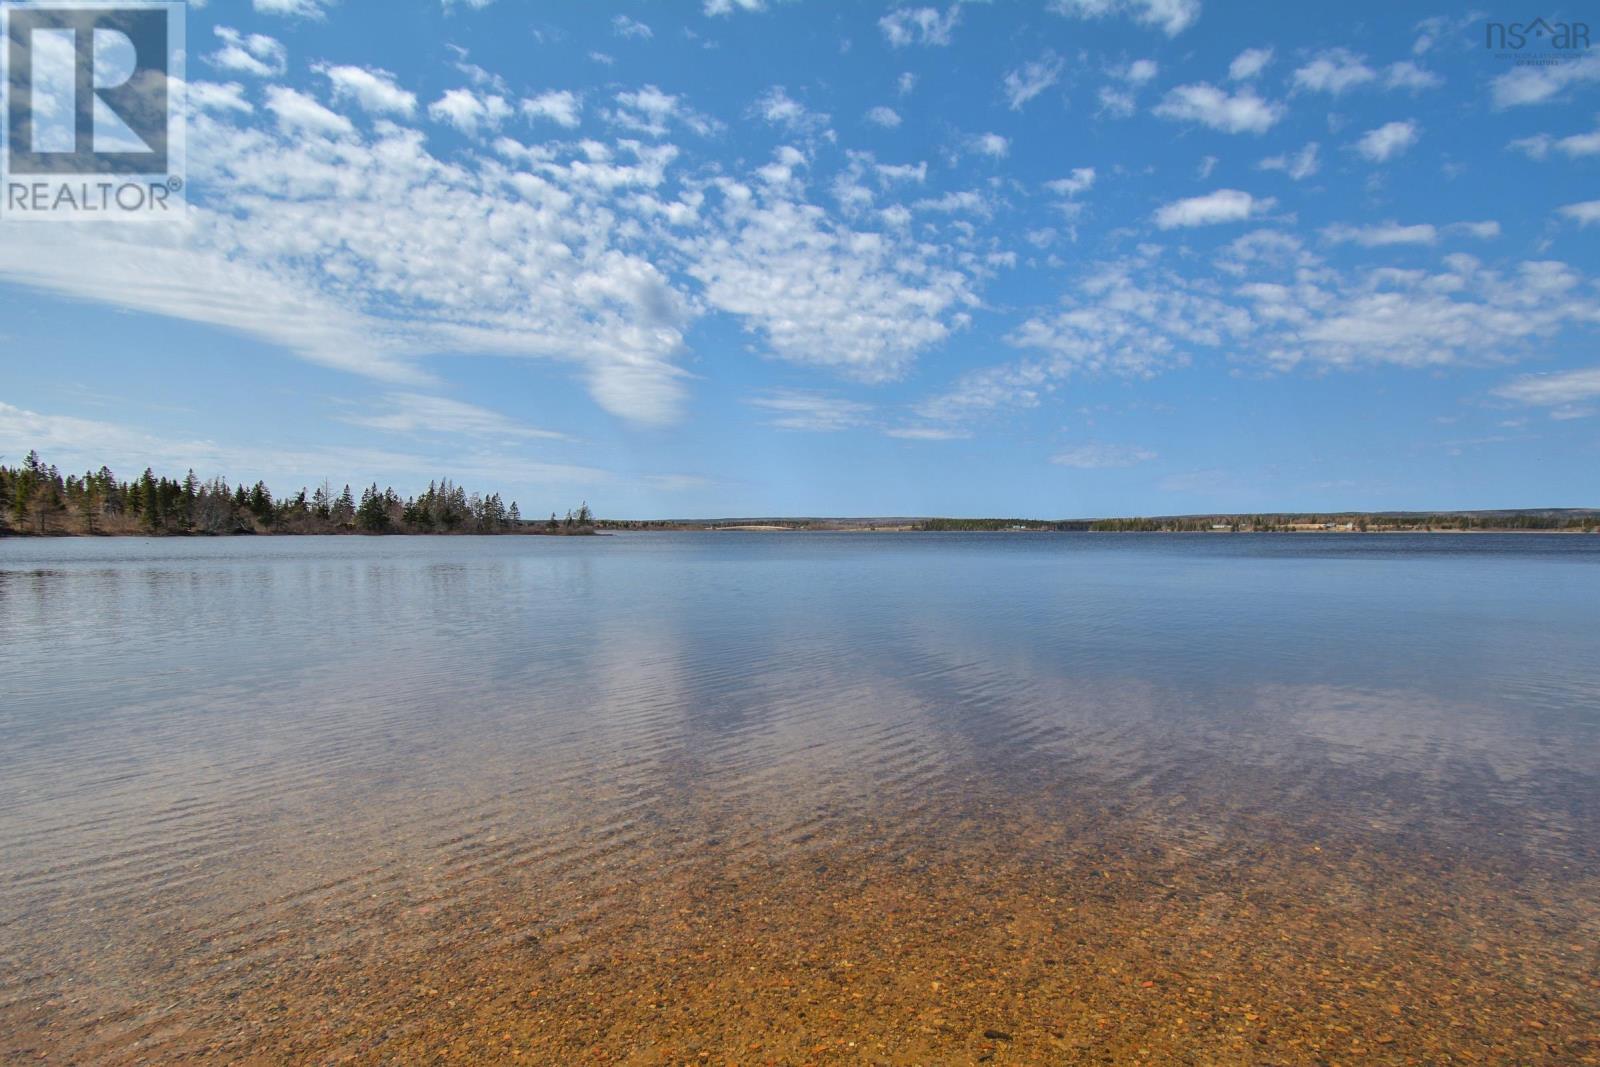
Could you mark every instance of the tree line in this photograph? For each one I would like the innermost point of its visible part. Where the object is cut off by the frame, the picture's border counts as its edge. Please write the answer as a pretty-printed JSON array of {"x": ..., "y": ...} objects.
[
  {"x": 37, "y": 499},
  {"x": 1361, "y": 522}
]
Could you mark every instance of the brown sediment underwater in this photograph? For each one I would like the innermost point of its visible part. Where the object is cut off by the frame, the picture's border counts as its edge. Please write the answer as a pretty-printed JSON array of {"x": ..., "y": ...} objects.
[{"x": 651, "y": 844}]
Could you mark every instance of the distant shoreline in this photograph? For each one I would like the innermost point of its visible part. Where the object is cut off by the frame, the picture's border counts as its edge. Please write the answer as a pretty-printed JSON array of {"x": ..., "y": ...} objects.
[{"x": 1546, "y": 520}]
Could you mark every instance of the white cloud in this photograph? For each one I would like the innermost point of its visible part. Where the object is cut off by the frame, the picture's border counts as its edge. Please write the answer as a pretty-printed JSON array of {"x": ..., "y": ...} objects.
[
  {"x": 297, "y": 111},
  {"x": 477, "y": 75},
  {"x": 1111, "y": 322},
  {"x": 1407, "y": 75},
  {"x": 728, "y": 7},
  {"x": 1535, "y": 85},
  {"x": 1274, "y": 303},
  {"x": 1095, "y": 455},
  {"x": 1032, "y": 78},
  {"x": 863, "y": 303},
  {"x": 650, "y": 111},
  {"x": 211, "y": 96},
  {"x": 623, "y": 26},
  {"x": 1118, "y": 103},
  {"x": 1483, "y": 231},
  {"x": 303, "y": 9},
  {"x": 992, "y": 145},
  {"x": 1140, "y": 71},
  {"x": 964, "y": 201},
  {"x": 1242, "y": 112},
  {"x": 1224, "y": 205},
  {"x": 1559, "y": 389},
  {"x": 470, "y": 112},
  {"x": 886, "y": 117},
  {"x": 1249, "y": 63},
  {"x": 794, "y": 409},
  {"x": 1382, "y": 235},
  {"x": 779, "y": 108},
  {"x": 919, "y": 25},
  {"x": 1387, "y": 141},
  {"x": 374, "y": 90},
  {"x": 1079, "y": 181},
  {"x": 411, "y": 413},
  {"x": 559, "y": 106},
  {"x": 905, "y": 83},
  {"x": 387, "y": 255},
  {"x": 1172, "y": 17},
  {"x": 1334, "y": 71},
  {"x": 253, "y": 53},
  {"x": 1299, "y": 165},
  {"x": 1573, "y": 146},
  {"x": 1583, "y": 213},
  {"x": 927, "y": 433}
]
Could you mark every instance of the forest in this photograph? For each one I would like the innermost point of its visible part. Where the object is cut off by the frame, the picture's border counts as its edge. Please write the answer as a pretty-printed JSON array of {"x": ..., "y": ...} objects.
[{"x": 36, "y": 499}]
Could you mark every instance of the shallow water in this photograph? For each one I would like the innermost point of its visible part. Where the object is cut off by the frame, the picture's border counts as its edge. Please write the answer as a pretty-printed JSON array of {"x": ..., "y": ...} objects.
[{"x": 802, "y": 798}]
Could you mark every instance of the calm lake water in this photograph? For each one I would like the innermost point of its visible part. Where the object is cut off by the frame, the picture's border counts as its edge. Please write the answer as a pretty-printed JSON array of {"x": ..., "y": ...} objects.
[{"x": 801, "y": 798}]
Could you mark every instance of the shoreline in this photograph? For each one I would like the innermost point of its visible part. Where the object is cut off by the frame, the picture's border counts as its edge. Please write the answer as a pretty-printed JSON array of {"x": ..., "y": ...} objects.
[{"x": 23, "y": 535}]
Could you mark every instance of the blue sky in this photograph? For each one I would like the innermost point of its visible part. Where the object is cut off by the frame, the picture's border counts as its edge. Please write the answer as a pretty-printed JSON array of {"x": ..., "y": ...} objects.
[{"x": 758, "y": 257}]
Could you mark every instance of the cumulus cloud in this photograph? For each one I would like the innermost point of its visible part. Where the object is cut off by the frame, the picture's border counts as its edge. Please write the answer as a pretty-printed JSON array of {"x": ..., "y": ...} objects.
[
  {"x": 1561, "y": 390},
  {"x": 374, "y": 90},
  {"x": 1334, "y": 71},
  {"x": 301, "y": 9},
  {"x": 1140, "y": 71},
  {"x": 297, "y": 111},
  {"x": 862, "y": 302},
  {"x": 1079, "y": 181},
  {"x": 1297, "y": 165},
  {"x": 387, "y": 255},
  {"x": 780, "y": 109},
  {"x": 886, "y": 117},
  {"x": 1241, "y": 112},
  {"x": 1407, "y": 75},
  {"x": 1111, "y": 322},
  {"x": 992, "y": 145},
  {"x": 558, "y": 106},
  {"x": 1387, "y": 141},
  {"x": 1572, "y": 146},
  {"x": 919, "y": 25},
  {"x": 1382, "y": 235},
  {"x": 728, "y": 7},
  {"x": 651, "y": 111},
  {"x": 1583, "y": 213},
  {"x": 1272, "y": 302},
  {"x": 1249, "y": 63},
  {"x": 1172, "y": 17},
  {"x": 252, "y": 53},
  {"x": 623, "y": 26},
  {"x": 1224, "y": 205},
  {"x": 470, "y": 112},
  {"x": 1520, "y": 86},
  {"x": 1032, "y": 78}
]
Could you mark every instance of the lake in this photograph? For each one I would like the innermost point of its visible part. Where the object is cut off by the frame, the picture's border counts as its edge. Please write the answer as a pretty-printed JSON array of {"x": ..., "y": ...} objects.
[{"x": 801, "y": 798}]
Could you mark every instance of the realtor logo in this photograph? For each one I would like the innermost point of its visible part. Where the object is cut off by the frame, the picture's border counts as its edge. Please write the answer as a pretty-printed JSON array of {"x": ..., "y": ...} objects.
[
  {"x": 93, "y": 110},
  {"x": 1538, "y": 42}
]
